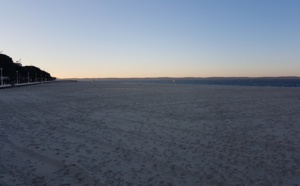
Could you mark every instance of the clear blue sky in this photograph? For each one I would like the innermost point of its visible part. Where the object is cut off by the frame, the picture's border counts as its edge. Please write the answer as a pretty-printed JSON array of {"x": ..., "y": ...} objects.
[{"x": 153, "y": 38}]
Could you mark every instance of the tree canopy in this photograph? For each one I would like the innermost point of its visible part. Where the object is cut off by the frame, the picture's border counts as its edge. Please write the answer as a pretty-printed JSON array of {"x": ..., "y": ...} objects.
[{"x": 13, "y": 72}]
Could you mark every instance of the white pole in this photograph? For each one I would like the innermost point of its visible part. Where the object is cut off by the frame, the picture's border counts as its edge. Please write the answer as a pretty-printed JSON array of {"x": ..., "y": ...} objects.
[
  {"x": 1, "y": 77},
  {"x": 17, "y": 78}
]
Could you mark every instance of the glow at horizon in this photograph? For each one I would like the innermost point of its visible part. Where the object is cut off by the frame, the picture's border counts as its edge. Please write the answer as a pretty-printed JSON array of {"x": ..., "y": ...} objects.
[{"x": 170, "y": 38}]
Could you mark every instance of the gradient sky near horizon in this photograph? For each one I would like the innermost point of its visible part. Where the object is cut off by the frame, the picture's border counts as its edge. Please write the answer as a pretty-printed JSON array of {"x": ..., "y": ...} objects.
[{"x": 153, "y": 38}]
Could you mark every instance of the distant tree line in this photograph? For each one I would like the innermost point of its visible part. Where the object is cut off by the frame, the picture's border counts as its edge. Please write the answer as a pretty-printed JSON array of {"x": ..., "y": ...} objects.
[{"x": 14, "y": 72}]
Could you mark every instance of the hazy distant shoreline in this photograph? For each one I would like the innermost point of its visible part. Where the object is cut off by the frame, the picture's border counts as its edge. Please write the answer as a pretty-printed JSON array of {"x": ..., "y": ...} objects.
[
  {"x": 288, "y": 81},
  {"x": 178, "y": 78}
]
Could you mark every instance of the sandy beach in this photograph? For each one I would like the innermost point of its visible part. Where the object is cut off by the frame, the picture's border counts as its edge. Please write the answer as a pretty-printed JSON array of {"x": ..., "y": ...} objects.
[{"x": 114, "y": 133}]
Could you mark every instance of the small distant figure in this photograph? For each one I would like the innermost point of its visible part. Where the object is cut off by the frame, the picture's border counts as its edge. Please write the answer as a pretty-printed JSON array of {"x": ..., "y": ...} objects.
[{"x": 174, "y": 81}]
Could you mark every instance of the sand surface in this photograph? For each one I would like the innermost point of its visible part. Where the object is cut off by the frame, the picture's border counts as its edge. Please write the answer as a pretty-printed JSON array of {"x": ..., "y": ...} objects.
[{"x": 102, "y": 133}]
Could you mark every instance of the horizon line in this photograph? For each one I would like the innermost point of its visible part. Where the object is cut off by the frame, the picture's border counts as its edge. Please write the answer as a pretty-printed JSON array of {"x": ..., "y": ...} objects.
[{"x": 99, "y": 78}]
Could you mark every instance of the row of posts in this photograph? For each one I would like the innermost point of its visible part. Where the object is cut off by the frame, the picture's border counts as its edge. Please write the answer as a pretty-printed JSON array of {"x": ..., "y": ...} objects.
[{"x": 17, "y": 77}]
